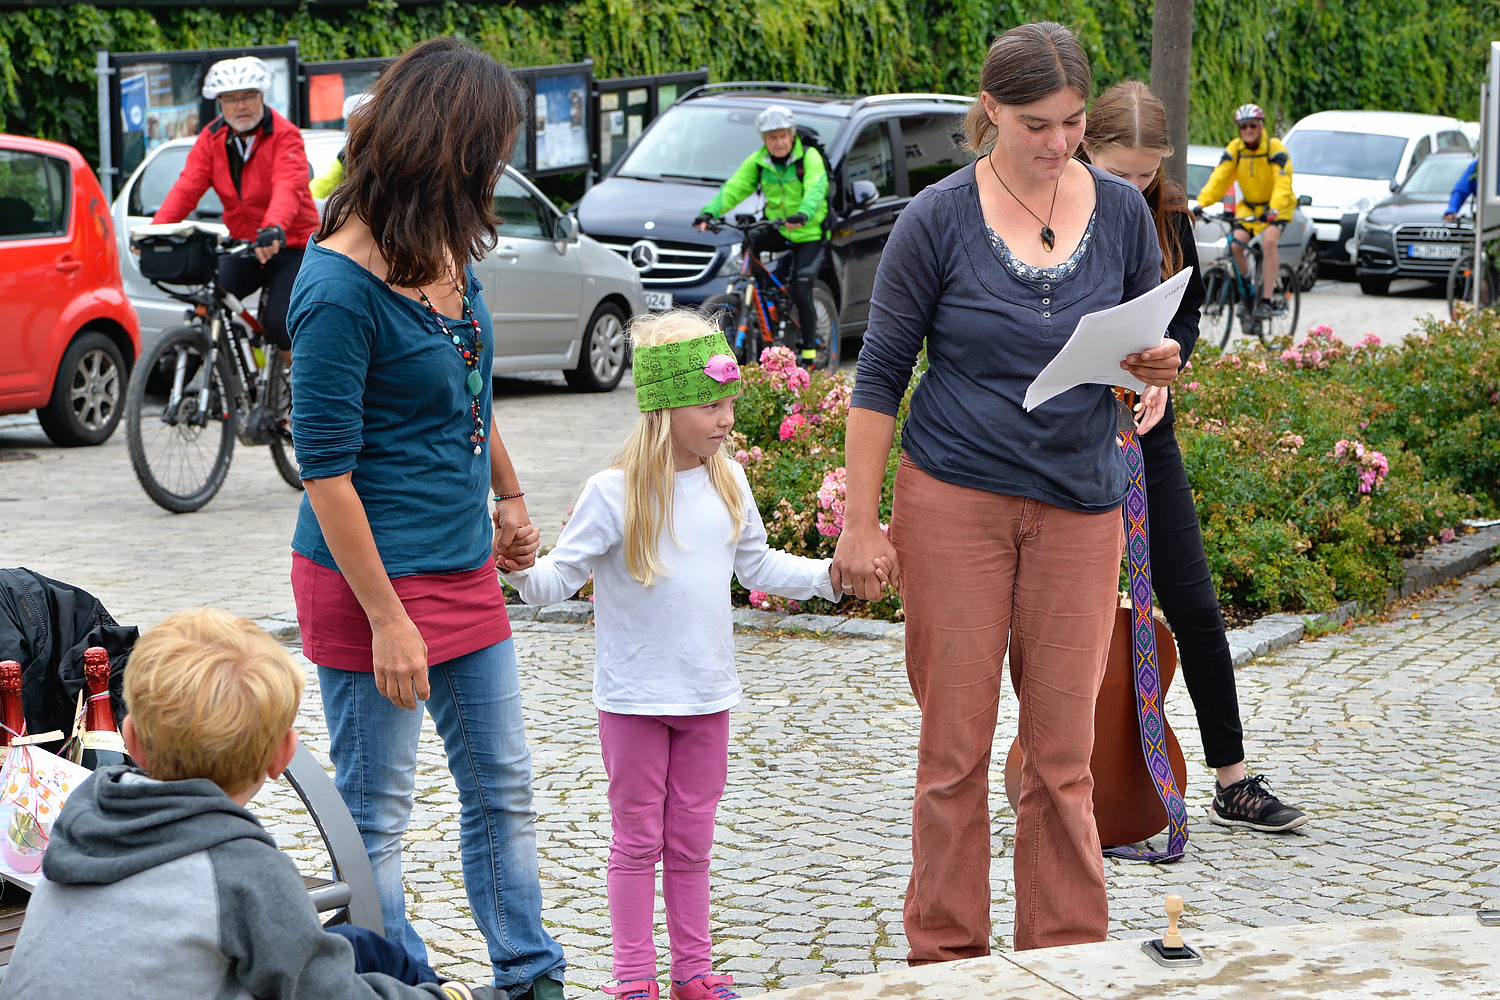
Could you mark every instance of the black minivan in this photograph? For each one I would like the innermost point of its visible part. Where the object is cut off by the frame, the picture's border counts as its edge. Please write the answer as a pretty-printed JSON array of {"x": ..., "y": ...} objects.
[{"x": 882, "y": 150}]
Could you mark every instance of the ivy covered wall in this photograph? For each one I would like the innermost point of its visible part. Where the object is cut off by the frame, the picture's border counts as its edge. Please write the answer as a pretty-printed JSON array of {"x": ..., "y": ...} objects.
[{"x": 1292, "y": 56}]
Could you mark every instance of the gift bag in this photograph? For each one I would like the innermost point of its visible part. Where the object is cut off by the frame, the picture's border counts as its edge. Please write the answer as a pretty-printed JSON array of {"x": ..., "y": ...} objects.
[{"x": 34, "y": 784}]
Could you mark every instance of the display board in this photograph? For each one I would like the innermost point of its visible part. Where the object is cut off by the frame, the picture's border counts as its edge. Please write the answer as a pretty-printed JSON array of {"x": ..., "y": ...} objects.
[
  {"x": 624, "y": 106},
  {"x": 327, "y": 86},
  {"x": 147, "y": 98}
]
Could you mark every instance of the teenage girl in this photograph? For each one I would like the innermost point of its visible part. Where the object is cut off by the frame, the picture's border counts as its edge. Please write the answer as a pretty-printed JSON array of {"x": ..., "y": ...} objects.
[
  {"x": 662, "y": 531},
  {"x": 1127, "y": 136}
]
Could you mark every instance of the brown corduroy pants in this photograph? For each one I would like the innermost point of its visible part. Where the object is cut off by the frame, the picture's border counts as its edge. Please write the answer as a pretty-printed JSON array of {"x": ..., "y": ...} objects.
[{"x": 979, "y": 571}]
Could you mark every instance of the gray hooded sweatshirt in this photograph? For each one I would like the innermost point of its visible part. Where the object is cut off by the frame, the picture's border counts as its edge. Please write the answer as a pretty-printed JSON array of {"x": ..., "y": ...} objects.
[{"x": 169, "y": 889}]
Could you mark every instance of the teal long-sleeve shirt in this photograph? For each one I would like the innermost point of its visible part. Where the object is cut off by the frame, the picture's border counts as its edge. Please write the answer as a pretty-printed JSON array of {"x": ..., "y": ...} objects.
[{"x": 786, "y": 193}]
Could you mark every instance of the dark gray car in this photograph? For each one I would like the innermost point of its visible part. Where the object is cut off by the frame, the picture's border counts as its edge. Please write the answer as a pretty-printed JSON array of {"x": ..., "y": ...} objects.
[{"x": 1405, "y": 236}]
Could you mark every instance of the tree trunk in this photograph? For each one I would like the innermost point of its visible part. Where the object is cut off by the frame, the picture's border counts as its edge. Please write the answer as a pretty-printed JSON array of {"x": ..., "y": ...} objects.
[{"x": 1171, "y": 75}]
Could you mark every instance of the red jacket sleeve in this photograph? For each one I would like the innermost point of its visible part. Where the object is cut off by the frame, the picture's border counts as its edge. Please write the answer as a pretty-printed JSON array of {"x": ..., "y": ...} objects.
[
  {"x": 289, "y": 173},
  {"x": 197, "y": 175}
]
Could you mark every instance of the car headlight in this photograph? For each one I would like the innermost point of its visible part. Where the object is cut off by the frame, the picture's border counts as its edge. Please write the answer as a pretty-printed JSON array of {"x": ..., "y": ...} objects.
[
  {"x": 1360, "y": 204},
  {"x": 731, "y": 263}
]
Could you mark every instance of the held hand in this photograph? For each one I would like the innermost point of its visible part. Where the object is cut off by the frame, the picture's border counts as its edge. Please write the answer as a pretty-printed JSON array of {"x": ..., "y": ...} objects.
[
  {"x": 1447, "y": 217},
  {"x": 701, "y": 221},
  {"x": 1271, "y": 215},
  {"x": 521, "y": 553},
  {"x": 1156, "y": 365},
  {"x": 510, "y": 516},
  {"x": 1150, "y": 409},
  {"x": 864, "y": 563},
  {"x": 794, "y": 221},
  {"x": 400, "y": 656}
]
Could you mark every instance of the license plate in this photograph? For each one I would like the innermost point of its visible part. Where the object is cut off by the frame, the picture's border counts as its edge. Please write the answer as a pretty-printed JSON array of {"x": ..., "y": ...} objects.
[
  {"x": 1434, "y": 251},
  {"x": 658, "y": 301}
]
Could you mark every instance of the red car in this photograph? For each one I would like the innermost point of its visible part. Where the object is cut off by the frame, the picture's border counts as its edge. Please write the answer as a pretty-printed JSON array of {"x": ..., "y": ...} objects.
[{"x": 68, "y": 334}]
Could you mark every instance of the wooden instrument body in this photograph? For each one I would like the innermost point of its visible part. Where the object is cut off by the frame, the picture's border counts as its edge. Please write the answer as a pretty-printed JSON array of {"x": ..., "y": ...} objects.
[{"x": 1127, "y": 809}]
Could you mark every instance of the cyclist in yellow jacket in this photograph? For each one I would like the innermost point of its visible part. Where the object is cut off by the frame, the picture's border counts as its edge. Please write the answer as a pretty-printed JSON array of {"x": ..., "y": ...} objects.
[{"x": 1263, "y": 168}]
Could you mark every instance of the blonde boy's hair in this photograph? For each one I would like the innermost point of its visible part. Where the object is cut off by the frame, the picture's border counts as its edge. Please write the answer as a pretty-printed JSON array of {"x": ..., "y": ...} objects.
[
  {"x": 646, "y": 458},
  {"x": 210, "y": 696}
]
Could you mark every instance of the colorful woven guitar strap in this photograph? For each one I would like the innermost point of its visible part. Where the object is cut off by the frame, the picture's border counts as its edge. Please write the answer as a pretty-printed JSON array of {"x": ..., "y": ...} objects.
[{"x": 1148, "y": 688}]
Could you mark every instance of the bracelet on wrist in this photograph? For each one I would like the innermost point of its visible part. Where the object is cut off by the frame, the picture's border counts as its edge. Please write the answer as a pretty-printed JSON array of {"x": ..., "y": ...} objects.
[{"x": 508, "y": 496}]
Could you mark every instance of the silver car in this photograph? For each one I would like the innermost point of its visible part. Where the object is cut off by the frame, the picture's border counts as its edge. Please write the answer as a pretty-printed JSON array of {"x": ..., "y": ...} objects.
[
  {"x": 1298, "y": 246},
  {"x": 559, "y": 300}
]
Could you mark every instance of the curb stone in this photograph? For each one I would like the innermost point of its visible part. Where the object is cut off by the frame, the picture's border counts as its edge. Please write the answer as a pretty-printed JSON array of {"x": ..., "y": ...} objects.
[{"x": 1266, "y": 635}]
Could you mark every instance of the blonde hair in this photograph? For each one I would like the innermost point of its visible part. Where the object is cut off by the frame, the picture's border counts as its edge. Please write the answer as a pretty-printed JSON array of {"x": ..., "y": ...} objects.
[
  {"x": 210, "y": 696},
  {"x": 646, "y": 458},
  {"x": 1129, "y": 116}
]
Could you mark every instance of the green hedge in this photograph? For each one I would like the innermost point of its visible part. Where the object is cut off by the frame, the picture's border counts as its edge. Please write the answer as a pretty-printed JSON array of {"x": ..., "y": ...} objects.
[{"x": 1293, "y": 56}]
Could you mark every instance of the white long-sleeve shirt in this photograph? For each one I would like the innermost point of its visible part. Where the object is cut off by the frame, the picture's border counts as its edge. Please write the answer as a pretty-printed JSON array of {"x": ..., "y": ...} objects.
[{"x": 667, "y": 649}]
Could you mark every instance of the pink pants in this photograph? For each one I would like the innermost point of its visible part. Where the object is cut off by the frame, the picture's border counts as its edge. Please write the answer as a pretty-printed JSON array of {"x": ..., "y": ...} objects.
[
  {"x": 666, "y": 776},
  {"x": 980, "y": 571}
]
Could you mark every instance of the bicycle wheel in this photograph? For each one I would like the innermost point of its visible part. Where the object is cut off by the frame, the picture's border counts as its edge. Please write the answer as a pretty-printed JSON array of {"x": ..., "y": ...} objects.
[
  {"x": 1461, "y": 286},
  {"x": 723, "y": 311},
  {"x": 1286, "y": 305},
  {"x": 1218, "y": 302},
  {"x": 279, "y": 403},
  {"x": 180, "y": 449}
]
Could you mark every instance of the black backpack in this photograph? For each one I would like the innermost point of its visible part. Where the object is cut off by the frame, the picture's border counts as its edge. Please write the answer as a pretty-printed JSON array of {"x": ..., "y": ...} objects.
[{"x": 810, "y": 141}]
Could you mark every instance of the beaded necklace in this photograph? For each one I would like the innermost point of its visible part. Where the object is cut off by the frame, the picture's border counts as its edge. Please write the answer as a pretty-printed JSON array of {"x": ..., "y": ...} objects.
[{"x": 471, "y": 354}]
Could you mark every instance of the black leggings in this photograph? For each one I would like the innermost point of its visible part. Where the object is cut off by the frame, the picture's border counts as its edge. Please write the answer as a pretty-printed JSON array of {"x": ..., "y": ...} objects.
[
  {"x": 244, "y": 274},
  {"x": 807, "y": 259},
  {"x": 1185, "y": 590}
]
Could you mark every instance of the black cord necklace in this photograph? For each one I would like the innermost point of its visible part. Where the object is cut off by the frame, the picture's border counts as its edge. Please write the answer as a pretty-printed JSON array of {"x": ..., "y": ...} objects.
[{"x": 1049, "y": 238}]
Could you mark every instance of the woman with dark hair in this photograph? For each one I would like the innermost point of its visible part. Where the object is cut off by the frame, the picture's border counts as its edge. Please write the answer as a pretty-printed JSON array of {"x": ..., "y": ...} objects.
[
  {"x": 396, "y": 587},
  {"x": 1127, "y": 136},
  {"x": 1005, "y": 528}
]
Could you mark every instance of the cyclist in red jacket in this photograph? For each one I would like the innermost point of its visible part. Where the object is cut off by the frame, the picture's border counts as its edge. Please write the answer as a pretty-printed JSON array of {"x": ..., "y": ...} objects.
[{"x": 255, "y": 161}]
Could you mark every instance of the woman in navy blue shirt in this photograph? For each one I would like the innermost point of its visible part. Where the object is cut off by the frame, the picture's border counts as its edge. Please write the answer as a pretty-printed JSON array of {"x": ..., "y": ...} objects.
[{"x": 1005, "y": 525}]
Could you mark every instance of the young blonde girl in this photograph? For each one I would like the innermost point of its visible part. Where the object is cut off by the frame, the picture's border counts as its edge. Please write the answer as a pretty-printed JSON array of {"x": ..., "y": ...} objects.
[{"x": 662, "y": 531}]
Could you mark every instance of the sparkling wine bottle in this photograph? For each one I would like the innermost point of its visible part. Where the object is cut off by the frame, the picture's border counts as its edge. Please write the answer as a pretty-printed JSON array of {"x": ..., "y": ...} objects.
[
  {"x": 12, "y": 714},
  {"x": 102, "y": 745}
]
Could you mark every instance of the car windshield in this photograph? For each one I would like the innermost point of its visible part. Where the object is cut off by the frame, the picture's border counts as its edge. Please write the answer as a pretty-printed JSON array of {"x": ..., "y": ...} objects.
[
  {"x": 1364, "y": 155},
  {"x": 1435, "y": 176},
  {"x": 705, "y": 142}
]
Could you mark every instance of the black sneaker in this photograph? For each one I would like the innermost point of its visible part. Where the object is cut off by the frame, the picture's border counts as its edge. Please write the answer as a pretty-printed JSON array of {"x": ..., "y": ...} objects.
[
  {"x": 1249, "y": 803},
  {"x": 1262, "y": 308}
]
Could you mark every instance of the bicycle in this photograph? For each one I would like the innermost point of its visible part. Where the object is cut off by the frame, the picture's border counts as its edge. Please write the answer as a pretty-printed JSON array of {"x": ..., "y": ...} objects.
[
  {"x": 204, "y": 384},
  {"x": 1461, "y": 278},
  {"x": 756, "y": 311},
  {"x": 1230, "y": 292}
]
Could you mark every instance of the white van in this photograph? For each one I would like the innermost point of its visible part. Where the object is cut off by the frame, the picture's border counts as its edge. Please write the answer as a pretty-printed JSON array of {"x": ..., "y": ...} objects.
[{"x": 1346, "y": 161}]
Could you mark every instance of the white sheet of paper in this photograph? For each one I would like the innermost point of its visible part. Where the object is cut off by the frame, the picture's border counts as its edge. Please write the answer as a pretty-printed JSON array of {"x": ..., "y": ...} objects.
[{"x": 1103, "y": 339}]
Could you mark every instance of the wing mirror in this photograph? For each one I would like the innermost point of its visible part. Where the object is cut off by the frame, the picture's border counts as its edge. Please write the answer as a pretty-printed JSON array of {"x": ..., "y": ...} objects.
[
  {"x": 864, "y": 192},
  {"x": 567, "y": 229},
  {"x": 1304, "y": 200}
]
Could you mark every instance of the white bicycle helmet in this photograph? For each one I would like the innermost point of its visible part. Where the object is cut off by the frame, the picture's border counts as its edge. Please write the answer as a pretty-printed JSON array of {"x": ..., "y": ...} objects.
[
  {"x": 353, "y": 103},
  {"x": 775, "y": 117},
  {"x": 229, "y": 75},
  {"x": 1248, "y": 113}
]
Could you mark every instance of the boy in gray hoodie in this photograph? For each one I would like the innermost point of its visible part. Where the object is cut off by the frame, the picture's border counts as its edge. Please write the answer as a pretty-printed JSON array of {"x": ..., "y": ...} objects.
[{"x": 159, "y": 882}]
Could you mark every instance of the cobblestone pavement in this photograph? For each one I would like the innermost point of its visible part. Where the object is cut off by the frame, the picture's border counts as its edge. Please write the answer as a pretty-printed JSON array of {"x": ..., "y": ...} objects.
[{"x": 1385, "y": 733}]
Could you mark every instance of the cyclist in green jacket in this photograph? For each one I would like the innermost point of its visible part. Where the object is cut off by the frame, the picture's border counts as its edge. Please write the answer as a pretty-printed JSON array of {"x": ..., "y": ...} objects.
[{"x": 794, "y": 180}]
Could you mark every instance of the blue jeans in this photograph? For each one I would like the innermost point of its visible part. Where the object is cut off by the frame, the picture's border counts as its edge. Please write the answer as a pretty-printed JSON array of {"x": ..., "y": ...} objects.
[{"x": 476, "y": 706}]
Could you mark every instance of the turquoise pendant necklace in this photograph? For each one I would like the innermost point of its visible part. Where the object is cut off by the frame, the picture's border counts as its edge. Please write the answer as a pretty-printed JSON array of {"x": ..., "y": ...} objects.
[{"x": 471, "y": 354}]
